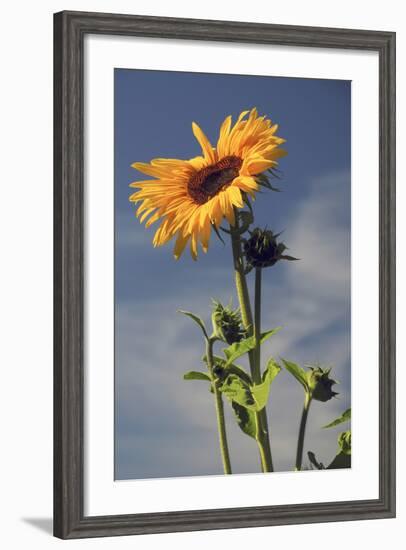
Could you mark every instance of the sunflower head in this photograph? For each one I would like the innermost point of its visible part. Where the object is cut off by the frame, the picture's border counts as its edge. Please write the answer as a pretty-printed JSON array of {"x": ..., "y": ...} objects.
[
  {"x": 262, "y": 249},
  {"x": 208, "y": 182},
  {"x": 188, "y": 197},
  {"x": 227, "y": 325}
]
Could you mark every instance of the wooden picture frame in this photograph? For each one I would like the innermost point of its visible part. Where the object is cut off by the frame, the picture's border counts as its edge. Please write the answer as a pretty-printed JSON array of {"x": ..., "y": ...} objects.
[{"x": 69, "y": 518}]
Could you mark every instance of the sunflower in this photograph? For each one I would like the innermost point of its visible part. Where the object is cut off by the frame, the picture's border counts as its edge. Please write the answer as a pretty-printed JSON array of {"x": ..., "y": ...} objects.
[{"x": 189, "y": 196}]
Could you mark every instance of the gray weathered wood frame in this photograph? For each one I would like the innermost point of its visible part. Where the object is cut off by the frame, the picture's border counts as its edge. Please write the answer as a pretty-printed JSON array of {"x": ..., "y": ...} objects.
[{"x": 70, "y": 29}]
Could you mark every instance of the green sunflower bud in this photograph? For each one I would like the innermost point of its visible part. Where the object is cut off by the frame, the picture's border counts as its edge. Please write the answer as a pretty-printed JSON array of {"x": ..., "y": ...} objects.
[
  {"x": 263, "y": 250},
  {"x": 344, "y": 442},
  {"x": 320, "y": 384},
  {"x": 227, "y": 325}
]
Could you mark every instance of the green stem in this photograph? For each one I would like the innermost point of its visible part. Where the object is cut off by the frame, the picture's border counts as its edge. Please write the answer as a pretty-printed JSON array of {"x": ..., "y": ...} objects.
[
  {"x": 302, "y": 430},
  {"x": 221, "y": 423},
  {"x": 246, "y": 315},
  {"x": 241, "y": 282},
  {"x": 257, "y": 323},
  {"x": 257, "y": 335}
]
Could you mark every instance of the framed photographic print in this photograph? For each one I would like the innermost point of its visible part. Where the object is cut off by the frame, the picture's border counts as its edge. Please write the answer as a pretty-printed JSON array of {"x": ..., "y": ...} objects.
[{"x": 224, "y": 274}]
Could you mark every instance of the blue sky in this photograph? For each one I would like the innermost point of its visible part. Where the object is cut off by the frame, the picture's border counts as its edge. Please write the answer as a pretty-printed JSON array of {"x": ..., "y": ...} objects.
[{"x": 166, "y": 426}]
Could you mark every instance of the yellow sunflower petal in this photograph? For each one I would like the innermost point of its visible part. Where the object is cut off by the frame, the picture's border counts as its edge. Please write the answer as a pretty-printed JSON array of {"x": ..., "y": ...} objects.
[
  {"x": 204, "y": 215},
  {"x": 143, "y": 206},
  {"x": 198, "y": 163},
  {"x": 222, "y": 143},
  {"x": 146, "y": 214},
  {"x": 154, "y": 171},
  {"x": 194, "y": 220},
  {"x": 205, "y": 234},
  {"x": 171, "y": 164},
  {"x": 256, "y": 166},
  {"x": 207, "y": 149},
  {"x": 234, "y": 195},
  {"x": 278, "y": 154},
  {"x": 142, "y": 183},
  {"x": 193, "y": 244},
  {"x": 241, "y": 116},
  {"x": 164, "y": 233},
  {"x": 134, "y": 197},
  {"x": 215, "y": 211},
  {"x": 180, "y": 244},
  {"x": 246, "y": 183},
  {"x": 228, "y": 209},
  {"x": 152, "y": 219}
]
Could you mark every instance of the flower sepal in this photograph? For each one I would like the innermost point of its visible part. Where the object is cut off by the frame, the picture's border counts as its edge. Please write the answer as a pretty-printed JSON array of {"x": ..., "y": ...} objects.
[
  {"x": 264, "y": 181},
  {"x": 320, "y": 384},
  {"x": 262, "y": 249}
]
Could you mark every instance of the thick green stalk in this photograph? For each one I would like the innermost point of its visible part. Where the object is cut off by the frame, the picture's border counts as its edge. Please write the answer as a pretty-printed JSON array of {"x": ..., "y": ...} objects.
[
  {"x": 257, "y": 353},
  {"x": 241, "y": 284},
  {"x": 302, "y": 430},
  {"x": 221, "y": 423},
  {"x": 246, "y": 315},
  {"x": 257, "y": 309}
]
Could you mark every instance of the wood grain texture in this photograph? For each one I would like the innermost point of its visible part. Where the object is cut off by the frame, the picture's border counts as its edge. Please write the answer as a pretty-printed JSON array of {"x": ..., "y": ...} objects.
[{"x": 69, "y": 30}]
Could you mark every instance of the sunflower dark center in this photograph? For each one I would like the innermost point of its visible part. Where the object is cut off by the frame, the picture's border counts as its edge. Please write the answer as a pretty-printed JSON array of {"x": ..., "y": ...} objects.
[{"x": 206, "y": 183}]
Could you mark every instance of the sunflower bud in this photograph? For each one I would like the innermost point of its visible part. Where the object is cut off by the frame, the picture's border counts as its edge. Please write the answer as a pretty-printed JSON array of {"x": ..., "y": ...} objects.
[
  {"x": 227, "y": 324},
  {"x": 344, "y": 442},
  {"x": 320, "y": 384},
  {"x": 263, "y": 250}
]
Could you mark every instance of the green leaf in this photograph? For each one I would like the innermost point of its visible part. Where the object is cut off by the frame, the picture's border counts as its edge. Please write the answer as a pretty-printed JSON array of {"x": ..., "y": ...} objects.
[
  {"x": 231, "y": 369},
  {"x": 263, "y": 180},
  {"x": 247, "y": 398},
  {"x": 245, "y": 419},
  {"x": 196, "y": 375},
  {"x": 220, "y": 364},
  {"x": 238, "y": 349},
  {"x": 313, "y": 460},
  {"x": 196, "y": 319},
  {"x": 340, "y": 461},
  {"x": 272, "y": 370},
  {"x": 343, "y": 458},
  {"x": 240, "y": 372},
  {"x": 213, "y": 225},
  {"x": 238, "y": 391},
  {"x": 297, "y": 372},
  {"x": 343, "y": 418},
  {"x": 290, "y": 258},
  {"x": 261, "y": 394},
  {"x": 267, "y": 334},
  {"x": 251, "y": 396},
  {"x": 261, "y": 391}
]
